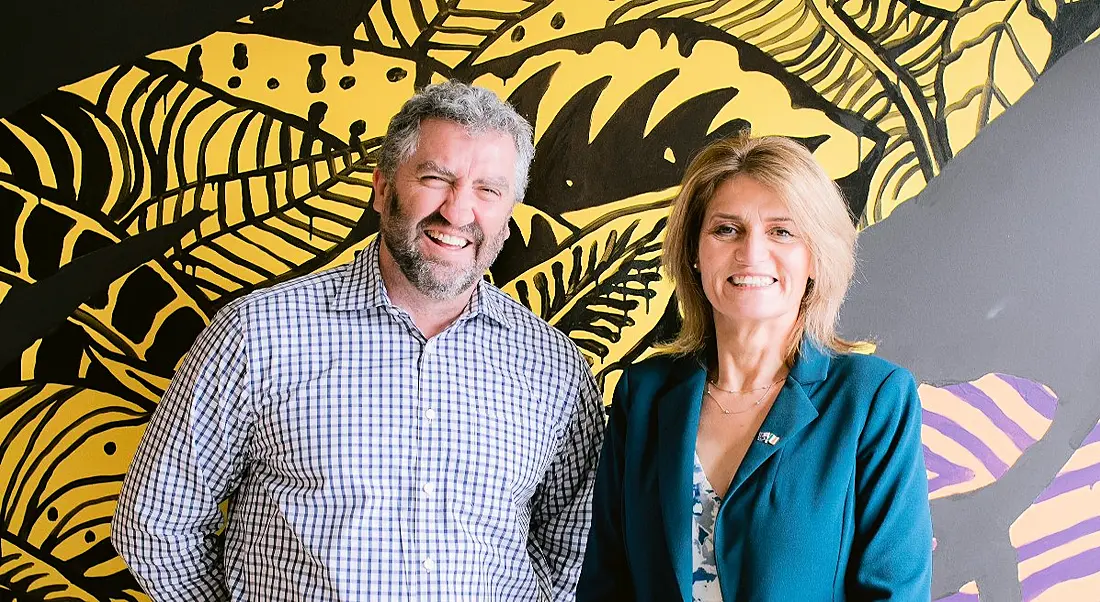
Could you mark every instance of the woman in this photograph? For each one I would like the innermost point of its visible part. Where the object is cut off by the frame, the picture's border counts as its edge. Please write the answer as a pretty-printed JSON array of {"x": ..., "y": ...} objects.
[{"x": 758, "y": 458}]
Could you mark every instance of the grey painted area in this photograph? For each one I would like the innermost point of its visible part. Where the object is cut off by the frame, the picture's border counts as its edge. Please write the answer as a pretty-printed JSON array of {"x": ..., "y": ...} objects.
[{"x": 995, "y": 267}]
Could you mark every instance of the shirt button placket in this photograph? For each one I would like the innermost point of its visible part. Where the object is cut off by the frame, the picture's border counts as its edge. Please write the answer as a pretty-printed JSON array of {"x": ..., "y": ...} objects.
[{"x": 425, "y": 478}]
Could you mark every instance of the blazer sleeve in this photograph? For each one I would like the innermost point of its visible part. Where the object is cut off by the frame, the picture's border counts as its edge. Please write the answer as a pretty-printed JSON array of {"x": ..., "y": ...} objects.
[
  {"x": 605, "y": 574},
  {"x": 892, "y": 547}
]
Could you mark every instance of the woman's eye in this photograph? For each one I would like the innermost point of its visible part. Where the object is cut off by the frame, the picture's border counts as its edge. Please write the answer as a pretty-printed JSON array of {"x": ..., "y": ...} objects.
[
  {"x": 783, "y": 233},
  {"x": 725, "y": 230}
]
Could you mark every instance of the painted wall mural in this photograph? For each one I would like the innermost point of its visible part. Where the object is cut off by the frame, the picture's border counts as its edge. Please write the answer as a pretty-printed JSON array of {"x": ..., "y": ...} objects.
[{"x": 137, "y": 199}]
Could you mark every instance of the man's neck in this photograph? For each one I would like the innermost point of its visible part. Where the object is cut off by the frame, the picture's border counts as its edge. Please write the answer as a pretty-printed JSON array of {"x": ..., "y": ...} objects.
[{"x": 431, "y": 316}]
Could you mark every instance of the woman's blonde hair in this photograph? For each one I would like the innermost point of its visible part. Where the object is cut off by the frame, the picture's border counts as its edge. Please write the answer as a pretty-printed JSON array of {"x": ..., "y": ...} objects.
[{"x": 818, "y": 209}]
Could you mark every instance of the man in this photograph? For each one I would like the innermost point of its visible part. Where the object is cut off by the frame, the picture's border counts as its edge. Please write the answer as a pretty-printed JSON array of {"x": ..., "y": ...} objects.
[{"x": 393, "y": 429}]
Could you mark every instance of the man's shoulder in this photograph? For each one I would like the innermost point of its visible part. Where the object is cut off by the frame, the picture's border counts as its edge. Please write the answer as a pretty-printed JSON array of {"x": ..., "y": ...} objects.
[
  {"x": 311, "y": 289},
  {"x": 530, "y": 326}
]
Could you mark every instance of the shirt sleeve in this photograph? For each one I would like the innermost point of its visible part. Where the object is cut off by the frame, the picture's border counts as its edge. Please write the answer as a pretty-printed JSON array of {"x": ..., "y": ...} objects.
[
  {"x": 190, "y": 459},
  {"x": 892, "y": 547},
  {"x": 561, "y": 509}
]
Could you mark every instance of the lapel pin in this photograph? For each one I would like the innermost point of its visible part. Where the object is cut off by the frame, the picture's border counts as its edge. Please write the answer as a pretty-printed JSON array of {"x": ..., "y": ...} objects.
[{"x": 766, "y": 437}]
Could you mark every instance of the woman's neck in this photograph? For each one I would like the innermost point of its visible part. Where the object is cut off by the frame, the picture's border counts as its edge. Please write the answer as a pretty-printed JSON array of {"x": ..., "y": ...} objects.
[{"x": 750, "y": 357}]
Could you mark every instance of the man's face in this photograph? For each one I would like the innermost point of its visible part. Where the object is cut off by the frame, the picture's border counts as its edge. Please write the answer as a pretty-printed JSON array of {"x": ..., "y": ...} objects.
[{"x": 445, "y": 213}]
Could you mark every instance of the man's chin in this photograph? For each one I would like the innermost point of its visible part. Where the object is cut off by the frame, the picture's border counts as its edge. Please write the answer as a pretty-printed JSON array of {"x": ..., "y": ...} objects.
[{"x": 449, "y": 282}]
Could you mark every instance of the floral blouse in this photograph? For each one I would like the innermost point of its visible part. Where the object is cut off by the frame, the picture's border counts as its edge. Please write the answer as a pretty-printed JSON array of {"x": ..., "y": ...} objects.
[{"x": 705, "y": 587}]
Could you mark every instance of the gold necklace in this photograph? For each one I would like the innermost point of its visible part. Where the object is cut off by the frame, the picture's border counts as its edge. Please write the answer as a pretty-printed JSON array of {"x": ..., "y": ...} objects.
[
  {"x": 715, "y": 385},
  {"x": 766, "y": 389}
]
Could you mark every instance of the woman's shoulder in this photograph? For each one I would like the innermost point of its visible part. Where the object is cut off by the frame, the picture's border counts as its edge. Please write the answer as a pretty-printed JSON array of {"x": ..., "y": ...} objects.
[
  {"x": 867, "y": 368},
  {"x": 660, "y": 367}
]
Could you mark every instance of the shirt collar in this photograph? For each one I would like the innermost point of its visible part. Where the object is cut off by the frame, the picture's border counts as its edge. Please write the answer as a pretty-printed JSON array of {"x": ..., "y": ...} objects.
[{"x": 361, "y": 287}]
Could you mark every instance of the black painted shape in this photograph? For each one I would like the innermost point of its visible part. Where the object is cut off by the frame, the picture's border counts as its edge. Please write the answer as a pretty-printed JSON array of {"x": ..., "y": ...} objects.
[
  {"x": 174, "y": 338},
  {"x": 31, "y": 312},
  {"x": 527, "y": 96},
  {"x": 234, "y": 82},
  {"x": 992, "y": 268},
  {"x": 622, "y": 160},
  {"x": 355, "y": 131},
  {"x": 60, "y": 353},
  {"x": 240, "y": 56},
  {"x": 43, "y": 236},
  {"x": 141, "y": 297},
  {"x": 317, "y": 22},
  {"x": 396, "y": 74},
  {"x": 272, "y": 83},
  {"x": 11, "y": 205},
  {"x": 347, "y": 82},
  {"x": 315, "y": 80},
  {"x": 87, "y": 242},
  {"x": 557, "y": 21},
  {"x": 1075, "y": 22},
  {"x": 518, "y": 33},
  {"x": 194, "y": 62},
  {"x": 315, "y": 116},
  {"x": 517, "y": 256},
  {"x": 347, "y": 55}
]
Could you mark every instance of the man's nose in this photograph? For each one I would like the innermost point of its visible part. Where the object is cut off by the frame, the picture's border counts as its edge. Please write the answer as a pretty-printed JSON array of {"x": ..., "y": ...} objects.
[{"x": 458, "y": 207}]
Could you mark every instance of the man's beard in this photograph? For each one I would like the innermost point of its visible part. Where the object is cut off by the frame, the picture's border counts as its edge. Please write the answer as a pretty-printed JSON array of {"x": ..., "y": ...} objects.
[{"x": 437, "y": 279}]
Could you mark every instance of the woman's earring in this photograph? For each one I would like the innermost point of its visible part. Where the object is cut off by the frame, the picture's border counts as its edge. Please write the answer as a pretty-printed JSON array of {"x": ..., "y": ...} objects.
[{"x": 695, "y": 266}]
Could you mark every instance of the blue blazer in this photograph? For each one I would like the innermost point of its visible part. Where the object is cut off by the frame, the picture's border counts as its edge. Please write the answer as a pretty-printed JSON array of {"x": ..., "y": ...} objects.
[{"x": 836, "y": 508}]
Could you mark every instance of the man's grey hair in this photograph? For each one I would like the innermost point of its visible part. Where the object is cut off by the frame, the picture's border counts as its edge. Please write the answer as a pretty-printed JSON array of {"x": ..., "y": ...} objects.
[{"x": 476, "y": 109}]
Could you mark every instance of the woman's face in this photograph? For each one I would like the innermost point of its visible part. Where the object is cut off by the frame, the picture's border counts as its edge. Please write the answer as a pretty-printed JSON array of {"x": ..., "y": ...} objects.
[{"x": 753, "y": 261}]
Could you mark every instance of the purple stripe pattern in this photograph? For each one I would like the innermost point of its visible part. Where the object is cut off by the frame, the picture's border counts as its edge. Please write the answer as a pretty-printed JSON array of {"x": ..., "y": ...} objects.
[
  {"x": 947, "y": 472},
  {"x": 1035, "y": 394},
  {"x": 1085, "y": 520},
  {"x": 971, "y": 442},
  {"x": 1082, "y": 565},
  {"x": 985, "y": 404},
  {"x": 1094, "y": 437},
  {"x": 1062, "y": 537},
  {"x": 1068, "y": 481}
]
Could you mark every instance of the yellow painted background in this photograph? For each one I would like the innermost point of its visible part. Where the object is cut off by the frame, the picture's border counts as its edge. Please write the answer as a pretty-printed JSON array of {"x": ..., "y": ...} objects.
[{"x": 928, "y": 78}]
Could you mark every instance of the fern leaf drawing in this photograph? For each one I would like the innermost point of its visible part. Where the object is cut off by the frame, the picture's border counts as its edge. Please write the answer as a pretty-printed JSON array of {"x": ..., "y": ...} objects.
[
  {"x": 280, "y": 203},
  {"x": 74, "y": 293},
  {"x": 60, "y": 487},
  {"x": 604, "y": 289}
]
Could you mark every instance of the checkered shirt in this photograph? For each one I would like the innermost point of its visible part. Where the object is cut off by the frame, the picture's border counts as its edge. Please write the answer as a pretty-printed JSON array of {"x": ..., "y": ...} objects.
[{"x": 362, "y": 461}]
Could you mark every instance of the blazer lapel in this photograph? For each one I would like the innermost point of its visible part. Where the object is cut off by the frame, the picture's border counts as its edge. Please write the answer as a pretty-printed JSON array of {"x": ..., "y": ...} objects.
[
  {"x": 791, "y": 412},
  {"x": 678, "y": 422}
]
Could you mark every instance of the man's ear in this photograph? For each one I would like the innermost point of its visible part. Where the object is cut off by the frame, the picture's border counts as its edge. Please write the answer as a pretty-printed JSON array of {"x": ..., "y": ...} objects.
[{"x": 381, "y": 185}]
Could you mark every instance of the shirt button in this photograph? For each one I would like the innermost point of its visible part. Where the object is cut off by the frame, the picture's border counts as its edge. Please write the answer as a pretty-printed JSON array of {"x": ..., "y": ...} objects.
[
  {"x": 429, "y": 564},
  {"x": 428, "y": 488},
  {"x": 429, "y": 414}
]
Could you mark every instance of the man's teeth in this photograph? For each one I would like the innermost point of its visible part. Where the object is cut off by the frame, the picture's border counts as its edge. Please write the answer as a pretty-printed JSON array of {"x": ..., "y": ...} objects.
[
  {"x": 447, "y": 239},
  {"x": 753, "y": 280}
]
